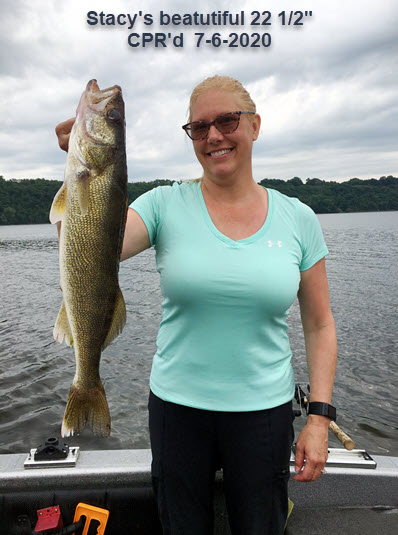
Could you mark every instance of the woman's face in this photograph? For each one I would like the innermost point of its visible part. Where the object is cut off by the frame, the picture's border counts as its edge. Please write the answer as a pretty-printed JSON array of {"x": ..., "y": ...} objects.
[{"x": 224, "y": 156}]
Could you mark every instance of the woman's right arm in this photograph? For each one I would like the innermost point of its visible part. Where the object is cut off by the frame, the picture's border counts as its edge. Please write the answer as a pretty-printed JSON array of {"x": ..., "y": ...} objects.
[{"x": 136, "y": 237}]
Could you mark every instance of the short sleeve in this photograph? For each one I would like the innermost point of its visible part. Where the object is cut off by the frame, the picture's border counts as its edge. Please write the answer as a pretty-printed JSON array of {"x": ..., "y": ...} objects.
[
  {"x": 312, "y": 242},
  {"x": 151, "y": 207}
]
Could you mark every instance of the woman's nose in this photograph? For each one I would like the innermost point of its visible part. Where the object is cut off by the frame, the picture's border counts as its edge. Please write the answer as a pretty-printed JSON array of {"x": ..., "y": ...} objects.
[{"x": 214, "y": 134}]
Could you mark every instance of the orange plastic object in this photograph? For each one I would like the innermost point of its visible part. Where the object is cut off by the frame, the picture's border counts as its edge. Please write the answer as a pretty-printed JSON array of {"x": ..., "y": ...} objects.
[{"x": 92, "y": 513}]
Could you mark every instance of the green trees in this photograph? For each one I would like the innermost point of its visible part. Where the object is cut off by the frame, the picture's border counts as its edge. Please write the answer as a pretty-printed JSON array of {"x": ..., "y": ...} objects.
[
  {"x": 29, "y": 201},
  {"x": 26, "y": 201},
  {"x": 354, "y": 195},
  {"x": 135, "y": 189}
]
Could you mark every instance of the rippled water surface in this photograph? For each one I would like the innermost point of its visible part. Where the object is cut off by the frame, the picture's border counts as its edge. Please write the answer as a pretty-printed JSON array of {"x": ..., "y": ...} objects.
[{"x": 36, "y": 372}]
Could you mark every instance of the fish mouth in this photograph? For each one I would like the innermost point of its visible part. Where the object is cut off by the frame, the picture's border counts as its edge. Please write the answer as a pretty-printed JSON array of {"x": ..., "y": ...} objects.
[
  {"x": 97, "y": 99},
  {"x": 93, "y": 87}
]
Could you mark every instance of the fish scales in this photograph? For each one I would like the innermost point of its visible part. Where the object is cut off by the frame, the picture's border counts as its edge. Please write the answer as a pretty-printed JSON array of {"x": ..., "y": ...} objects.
[{"x": 92, "y": 205}]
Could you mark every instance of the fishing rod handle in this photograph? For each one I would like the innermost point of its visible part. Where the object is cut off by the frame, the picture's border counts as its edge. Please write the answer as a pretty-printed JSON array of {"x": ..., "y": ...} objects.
[{"x": 347, "y": 442}]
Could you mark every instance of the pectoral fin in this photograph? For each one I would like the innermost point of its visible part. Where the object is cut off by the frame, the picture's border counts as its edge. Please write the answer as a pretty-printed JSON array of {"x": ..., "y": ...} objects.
[
  {"x": 58, "y": 205},
  {"x": 83, "y": 190},
  {"x": 118, "y": 319},
  {"x": 62, "y": 327}
]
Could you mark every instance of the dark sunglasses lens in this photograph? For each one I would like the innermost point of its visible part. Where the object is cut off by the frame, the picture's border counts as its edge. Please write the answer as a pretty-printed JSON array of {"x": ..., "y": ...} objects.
[
  {"x": 198, "y": 130},
  {"x": 227, "y": 123}
]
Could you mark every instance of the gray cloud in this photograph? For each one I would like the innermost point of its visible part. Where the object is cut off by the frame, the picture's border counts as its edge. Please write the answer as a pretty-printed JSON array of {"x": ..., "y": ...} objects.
[{"x": 326, "y": 91}]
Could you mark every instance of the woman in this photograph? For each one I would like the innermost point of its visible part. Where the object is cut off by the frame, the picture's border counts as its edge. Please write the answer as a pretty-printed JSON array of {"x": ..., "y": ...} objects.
[{"x": 232, "y": 256}]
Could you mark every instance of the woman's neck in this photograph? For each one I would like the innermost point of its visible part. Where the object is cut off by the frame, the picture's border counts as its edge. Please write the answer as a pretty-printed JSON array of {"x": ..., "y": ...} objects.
[{"x": 229, "y": 191}]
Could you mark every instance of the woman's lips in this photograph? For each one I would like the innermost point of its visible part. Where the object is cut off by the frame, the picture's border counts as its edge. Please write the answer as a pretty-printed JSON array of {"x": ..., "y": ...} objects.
[{"x": 218, "y": 153}]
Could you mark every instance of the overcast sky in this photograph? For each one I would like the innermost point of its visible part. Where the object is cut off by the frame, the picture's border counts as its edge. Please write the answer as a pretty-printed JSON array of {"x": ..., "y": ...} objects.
[{"x": 327, "y": 91}]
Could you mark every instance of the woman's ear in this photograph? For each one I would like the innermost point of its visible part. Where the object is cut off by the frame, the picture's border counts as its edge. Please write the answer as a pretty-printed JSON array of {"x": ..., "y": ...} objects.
[{"x": 256, "y": 123}]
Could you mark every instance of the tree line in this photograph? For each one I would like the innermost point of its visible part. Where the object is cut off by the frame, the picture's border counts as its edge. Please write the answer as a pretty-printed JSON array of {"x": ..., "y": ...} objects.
[{"x": 29, "y": 201}]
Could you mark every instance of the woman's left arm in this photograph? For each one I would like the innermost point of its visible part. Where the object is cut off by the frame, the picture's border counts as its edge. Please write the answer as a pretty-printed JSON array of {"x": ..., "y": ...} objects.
[{"x": 321, "y": 349}]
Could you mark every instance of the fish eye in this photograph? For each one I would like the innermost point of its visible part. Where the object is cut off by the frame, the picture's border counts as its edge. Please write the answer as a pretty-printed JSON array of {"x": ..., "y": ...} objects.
[{"x": 114, "y": 115}]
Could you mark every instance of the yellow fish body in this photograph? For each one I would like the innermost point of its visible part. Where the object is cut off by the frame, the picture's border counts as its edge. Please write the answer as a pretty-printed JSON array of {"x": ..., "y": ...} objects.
[{"x": 92, "y": 205}]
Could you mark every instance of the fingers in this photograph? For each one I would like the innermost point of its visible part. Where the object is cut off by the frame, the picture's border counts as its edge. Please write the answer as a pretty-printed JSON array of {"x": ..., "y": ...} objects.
[
  {"x": 313, "y": 449},
  {"x": 312, "y": 471},
  {"x": 313, "y": 467},
  {"x": 62, "y": 131},
  {"x": 299, "y": 460}
]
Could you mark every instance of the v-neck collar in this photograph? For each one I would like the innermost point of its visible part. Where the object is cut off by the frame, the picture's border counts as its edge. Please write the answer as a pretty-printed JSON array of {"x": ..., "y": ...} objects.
[{"x": 229, "y": 241}]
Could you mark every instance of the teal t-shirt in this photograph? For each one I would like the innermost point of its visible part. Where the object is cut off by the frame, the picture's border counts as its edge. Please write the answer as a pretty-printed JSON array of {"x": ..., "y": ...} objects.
[{"x": 222, "y": 342}]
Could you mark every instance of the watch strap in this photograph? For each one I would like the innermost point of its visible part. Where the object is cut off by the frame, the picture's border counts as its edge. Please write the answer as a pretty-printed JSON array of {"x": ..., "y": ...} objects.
[{"x": 322, "y": 409}]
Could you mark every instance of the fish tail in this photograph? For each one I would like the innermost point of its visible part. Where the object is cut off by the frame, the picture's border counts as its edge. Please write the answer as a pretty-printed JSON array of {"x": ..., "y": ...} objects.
[{"x": 87, "y": 406}]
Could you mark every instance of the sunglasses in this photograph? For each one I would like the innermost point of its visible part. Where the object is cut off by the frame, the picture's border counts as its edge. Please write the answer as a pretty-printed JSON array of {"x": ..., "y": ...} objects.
[{"x": 225, "y": 124}]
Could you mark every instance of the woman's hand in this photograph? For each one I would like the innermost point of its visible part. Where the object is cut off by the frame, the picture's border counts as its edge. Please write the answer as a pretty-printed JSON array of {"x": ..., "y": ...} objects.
[
  {"x": 63, "y": 133},
  {"x": 312, "y": 446}
]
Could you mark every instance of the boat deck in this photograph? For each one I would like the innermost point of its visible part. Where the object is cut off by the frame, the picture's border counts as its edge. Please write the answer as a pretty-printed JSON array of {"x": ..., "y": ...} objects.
[{"x": 344, "y": 500}]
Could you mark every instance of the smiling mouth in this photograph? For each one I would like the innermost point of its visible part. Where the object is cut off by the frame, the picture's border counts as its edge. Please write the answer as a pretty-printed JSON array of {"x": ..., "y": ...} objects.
[{"x": 219, "y": 152}]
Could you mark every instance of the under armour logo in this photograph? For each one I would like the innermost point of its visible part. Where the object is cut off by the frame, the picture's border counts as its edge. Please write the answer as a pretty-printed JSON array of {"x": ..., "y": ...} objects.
[{"x": 278, "y": 243}]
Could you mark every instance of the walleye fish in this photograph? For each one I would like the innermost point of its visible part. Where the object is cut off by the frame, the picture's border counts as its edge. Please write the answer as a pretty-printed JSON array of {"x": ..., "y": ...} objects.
[{"x": 92, "y": 205}]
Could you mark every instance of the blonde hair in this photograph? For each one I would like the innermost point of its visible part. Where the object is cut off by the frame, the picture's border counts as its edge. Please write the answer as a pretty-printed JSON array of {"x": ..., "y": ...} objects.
[{"x": 223, "y": 83}]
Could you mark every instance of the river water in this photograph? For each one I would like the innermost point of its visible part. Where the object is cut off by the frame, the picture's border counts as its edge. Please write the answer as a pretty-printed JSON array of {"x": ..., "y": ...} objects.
[{"x": 36, "y": 372}]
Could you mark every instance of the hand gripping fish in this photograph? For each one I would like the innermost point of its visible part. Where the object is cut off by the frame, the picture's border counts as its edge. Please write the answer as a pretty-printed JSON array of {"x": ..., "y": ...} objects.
[{"x": 92, "y": 205}]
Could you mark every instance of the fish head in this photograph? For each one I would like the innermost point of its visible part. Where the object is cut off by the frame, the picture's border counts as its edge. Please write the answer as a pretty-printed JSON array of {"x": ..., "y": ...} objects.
[{"x": 99, "y": 130}]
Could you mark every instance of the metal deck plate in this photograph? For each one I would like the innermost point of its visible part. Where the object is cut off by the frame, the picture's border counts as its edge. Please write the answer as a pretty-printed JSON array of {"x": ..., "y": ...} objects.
[
  {"x": 340, "y": 457},
  {"x": 70, "y": 460}
]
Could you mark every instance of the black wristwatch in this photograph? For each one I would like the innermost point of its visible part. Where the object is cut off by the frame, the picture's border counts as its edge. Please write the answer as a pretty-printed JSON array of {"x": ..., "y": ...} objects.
[{"x": 321, "y": 409}]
